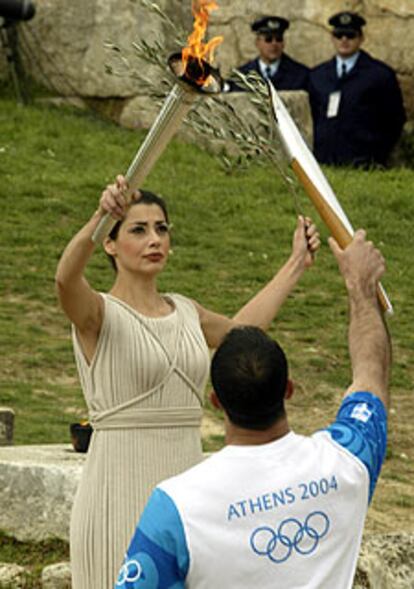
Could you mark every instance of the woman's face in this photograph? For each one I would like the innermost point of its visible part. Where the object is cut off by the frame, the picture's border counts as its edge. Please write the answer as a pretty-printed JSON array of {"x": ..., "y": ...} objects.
[{"x": 143, "y": 241}]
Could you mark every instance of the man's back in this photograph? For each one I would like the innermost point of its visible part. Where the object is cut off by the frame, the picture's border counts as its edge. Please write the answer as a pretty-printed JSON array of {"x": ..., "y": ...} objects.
[{"x": 291, "y": 511}]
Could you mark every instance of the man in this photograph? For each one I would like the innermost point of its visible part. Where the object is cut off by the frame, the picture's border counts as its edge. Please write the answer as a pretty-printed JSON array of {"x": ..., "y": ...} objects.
[
  {"x": 272, "y": 63},
  {"x": 274, "y": 508},
  {"x": 356, "y": 102}
]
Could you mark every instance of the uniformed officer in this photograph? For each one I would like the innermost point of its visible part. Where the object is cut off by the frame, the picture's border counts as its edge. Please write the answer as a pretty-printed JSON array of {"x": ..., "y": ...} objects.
[
  {"x": 356, "y": 102},
  {"x": 272, "y": 63}
]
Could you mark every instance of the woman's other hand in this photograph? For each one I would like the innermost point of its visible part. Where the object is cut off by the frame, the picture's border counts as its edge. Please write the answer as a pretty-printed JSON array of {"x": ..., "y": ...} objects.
[{"x": 306, "y": 241}]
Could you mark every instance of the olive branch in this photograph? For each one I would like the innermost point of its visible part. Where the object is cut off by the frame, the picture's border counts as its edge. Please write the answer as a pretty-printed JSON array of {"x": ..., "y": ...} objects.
[{"x": 239, "y": 141}]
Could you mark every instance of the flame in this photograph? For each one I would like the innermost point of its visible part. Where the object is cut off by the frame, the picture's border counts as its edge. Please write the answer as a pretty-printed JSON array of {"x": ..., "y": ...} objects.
[{"x": 196, "y": 49}]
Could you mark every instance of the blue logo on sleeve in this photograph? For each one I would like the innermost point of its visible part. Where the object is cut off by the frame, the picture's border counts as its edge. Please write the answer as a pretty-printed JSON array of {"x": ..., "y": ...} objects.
[
  {"x": 130, "y": 572},
  {"x": 291, "y": 534},
  {"x": 138, "y": 571}
]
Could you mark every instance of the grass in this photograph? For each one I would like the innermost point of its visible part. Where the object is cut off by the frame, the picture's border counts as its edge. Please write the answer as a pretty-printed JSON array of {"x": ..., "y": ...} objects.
[{"x": 231, "y": 233}]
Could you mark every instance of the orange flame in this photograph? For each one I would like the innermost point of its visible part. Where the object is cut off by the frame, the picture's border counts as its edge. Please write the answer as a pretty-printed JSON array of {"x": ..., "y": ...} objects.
[{"x": 196, "y": 49}]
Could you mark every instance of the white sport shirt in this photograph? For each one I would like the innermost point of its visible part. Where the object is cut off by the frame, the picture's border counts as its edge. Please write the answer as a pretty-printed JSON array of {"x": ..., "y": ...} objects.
[{"x": 287, "y": 514}]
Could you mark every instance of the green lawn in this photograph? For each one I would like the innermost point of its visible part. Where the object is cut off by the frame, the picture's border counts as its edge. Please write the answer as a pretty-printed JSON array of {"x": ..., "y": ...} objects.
[{"x": 231, "y": 233}]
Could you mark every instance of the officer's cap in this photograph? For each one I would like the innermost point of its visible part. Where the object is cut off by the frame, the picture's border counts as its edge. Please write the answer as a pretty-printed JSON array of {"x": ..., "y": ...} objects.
[
  {"x": 347, "y": 21},
  {"x": 270, "y": 24}
]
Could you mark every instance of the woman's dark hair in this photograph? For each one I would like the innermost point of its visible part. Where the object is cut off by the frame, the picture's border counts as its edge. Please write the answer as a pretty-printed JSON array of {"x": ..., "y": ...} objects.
[
  {"x": 145, "y": 198},
  {"x": 249, "y": 373}
]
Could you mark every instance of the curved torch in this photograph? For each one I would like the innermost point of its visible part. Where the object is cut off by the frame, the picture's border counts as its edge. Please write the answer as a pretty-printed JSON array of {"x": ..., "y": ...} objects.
[
  {"x": 195, "y": 77},
  {"x": 314, "y": 181}
]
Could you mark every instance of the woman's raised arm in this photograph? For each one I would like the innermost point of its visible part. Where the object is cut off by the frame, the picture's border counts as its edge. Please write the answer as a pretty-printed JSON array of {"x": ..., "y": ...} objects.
[
  {"x": 264, "y": 306},
  {"x": 81, "y": 303}
]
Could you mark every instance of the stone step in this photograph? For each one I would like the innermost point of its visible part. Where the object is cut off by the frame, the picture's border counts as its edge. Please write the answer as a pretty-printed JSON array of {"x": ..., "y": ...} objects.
[{"x": 37, "y": 488}]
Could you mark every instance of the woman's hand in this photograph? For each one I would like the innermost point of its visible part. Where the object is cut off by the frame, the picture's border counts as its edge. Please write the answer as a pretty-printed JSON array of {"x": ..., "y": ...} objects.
[
  {"x": 113, "y": 200},
  {"x": 306, "y": 242}
]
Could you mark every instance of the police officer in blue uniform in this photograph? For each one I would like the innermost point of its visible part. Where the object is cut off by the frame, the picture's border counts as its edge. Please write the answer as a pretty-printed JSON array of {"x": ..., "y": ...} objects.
[
  {"x": 356, "y": 102},
  {"x": 272, "y": 63}
]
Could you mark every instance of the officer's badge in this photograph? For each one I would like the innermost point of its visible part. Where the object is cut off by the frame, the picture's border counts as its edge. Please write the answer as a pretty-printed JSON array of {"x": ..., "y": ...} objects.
[
  {"x": 273, "y": 24},
  {"x": 345, "y": 19}
]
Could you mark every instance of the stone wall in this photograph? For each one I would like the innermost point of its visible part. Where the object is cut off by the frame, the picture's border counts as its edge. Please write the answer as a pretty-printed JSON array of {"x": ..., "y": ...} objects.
[{"x": 67, "y": 39}]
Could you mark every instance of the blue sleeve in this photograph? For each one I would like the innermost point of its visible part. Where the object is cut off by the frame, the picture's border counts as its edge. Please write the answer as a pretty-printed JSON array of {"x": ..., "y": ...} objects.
[
  {"x": 157, "y": 557},
  {"x": 361, "y": 428}
]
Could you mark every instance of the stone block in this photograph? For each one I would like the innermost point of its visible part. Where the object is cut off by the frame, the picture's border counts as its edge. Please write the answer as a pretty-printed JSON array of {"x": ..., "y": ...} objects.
[
  {"x": 386, "y": 561},
  {"x": 138, "y": 112},
  {"x": 12, "y": 576},
  {"x": 296, "y": 102},
  {"x": 37, "y": 488},
  {"x": 69, "y": 43},
  {"x": 57, "y": 576}
]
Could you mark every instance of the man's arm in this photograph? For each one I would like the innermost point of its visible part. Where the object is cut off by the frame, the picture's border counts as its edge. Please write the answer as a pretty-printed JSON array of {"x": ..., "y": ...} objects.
[
  {"x": 157, "y": 555},
  {"x": 362, "y": 265},
  {"x": 361, "y": 423}
]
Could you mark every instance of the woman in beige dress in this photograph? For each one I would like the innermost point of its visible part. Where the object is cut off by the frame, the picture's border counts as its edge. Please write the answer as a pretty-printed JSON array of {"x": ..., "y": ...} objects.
[{"x": 143, "y": 362}]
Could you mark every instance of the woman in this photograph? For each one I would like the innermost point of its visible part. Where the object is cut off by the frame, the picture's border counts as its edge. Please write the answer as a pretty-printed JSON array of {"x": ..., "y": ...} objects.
[{"x": 143, "y": 361}]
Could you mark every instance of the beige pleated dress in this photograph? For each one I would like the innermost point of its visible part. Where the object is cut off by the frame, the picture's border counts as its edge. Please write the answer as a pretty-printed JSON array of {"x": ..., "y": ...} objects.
[{"x": 144, "y": 390}]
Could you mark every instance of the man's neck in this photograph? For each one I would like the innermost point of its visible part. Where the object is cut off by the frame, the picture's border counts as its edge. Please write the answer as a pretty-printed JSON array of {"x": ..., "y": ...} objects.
[
  {"x": 349, "y": 58},
  {"x": 238, "y": 436},
  {"x": 267, "y": 62}
]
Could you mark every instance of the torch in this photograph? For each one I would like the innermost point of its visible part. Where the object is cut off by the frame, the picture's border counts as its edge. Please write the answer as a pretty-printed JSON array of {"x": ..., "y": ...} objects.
[
  {"x": 195, "y": 77},
  {"x": 314, "y": 181}
]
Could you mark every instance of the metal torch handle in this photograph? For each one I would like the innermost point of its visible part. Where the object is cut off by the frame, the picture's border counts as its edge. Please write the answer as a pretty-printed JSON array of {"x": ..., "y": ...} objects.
[{"x": 176, "y": 106}]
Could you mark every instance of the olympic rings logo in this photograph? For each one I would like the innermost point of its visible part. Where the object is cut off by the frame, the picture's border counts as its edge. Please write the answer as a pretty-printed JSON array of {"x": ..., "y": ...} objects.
[
  {"x": 130, "y": 571},
  {"x": 290, "y": 535}
]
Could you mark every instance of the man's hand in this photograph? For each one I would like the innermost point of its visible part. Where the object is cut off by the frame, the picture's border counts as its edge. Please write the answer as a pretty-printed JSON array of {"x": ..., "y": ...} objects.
[{"x": 360, "y": 263}]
